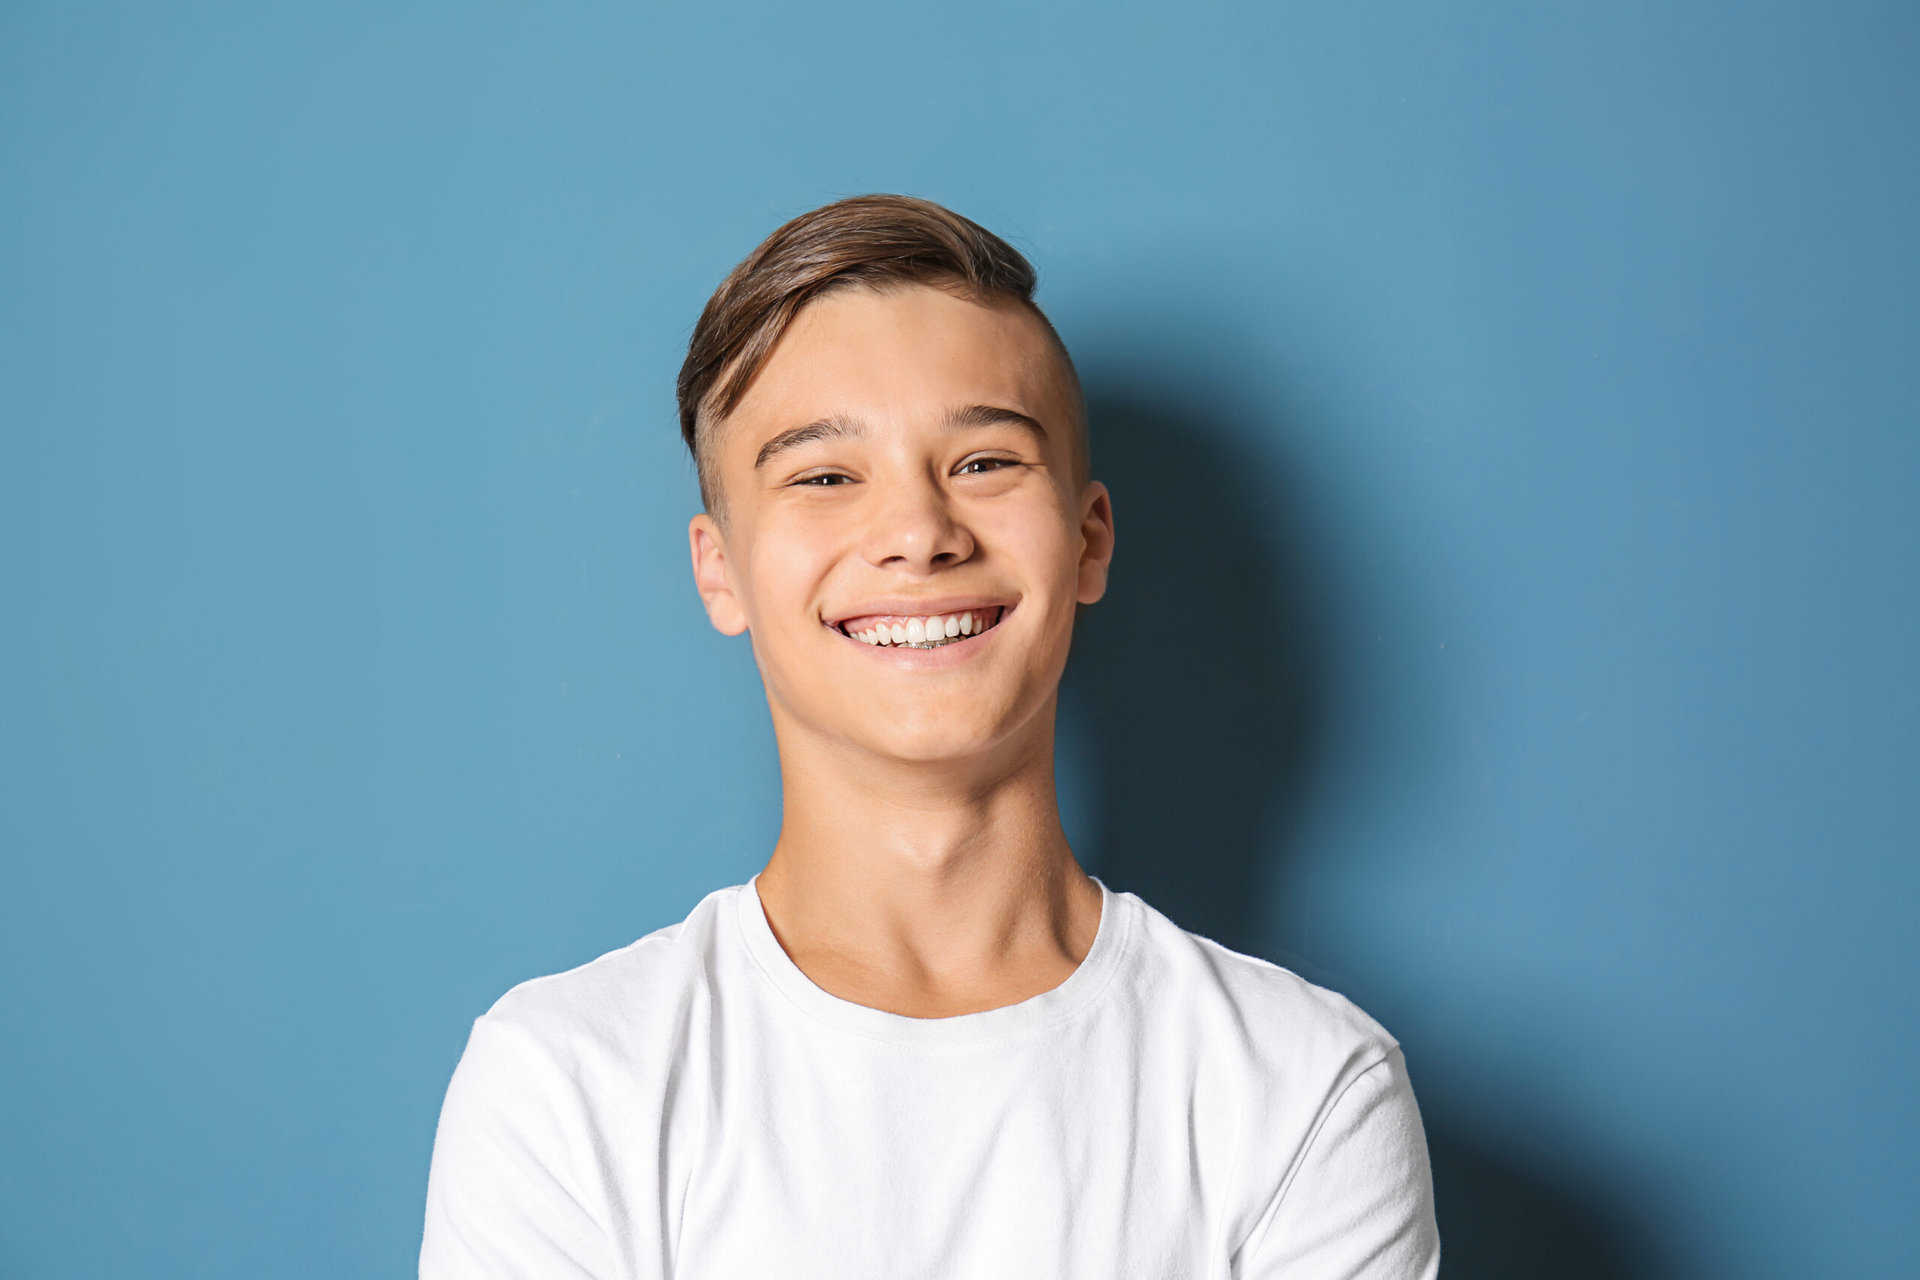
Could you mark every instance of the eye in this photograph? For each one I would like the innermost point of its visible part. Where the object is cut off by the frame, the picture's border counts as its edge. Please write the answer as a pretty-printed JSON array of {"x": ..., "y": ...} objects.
[
  {"x": 994, "y": 464},
  {"x": 998, "y": 463}
]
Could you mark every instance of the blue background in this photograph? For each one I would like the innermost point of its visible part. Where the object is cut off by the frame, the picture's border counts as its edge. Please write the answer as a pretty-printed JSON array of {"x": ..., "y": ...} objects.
[{"x": 1511, "y": 417}]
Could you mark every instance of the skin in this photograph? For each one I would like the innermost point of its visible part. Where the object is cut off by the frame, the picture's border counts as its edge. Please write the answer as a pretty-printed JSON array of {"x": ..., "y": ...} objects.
[{"x": 921, "y": 867}]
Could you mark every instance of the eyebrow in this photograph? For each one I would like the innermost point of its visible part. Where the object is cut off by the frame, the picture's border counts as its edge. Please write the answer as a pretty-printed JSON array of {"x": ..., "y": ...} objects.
[{"x": 842, "y": 426}]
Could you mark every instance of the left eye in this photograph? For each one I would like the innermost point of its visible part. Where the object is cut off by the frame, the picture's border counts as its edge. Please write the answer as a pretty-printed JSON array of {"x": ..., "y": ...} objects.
[{"x": 998, "y": 462}]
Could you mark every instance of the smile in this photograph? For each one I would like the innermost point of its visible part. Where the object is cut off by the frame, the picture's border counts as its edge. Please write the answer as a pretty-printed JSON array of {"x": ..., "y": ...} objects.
[
  {"x": 915, "y": 641},
  {"x": 926, "y": 632}
]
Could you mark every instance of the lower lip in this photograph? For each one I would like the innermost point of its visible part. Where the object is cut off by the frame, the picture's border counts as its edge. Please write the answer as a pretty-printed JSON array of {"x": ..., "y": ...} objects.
[{"x": 947, "y": 655}]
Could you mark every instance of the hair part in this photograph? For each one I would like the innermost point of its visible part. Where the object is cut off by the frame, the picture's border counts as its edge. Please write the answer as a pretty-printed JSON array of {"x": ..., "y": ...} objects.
[{"x": 877, "y": 241}]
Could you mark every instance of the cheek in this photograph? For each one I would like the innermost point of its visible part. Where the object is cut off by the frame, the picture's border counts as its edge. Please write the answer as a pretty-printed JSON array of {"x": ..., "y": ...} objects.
[
  {"x": 785, "y": 571},
  {"x": 1047, "y": 547}
]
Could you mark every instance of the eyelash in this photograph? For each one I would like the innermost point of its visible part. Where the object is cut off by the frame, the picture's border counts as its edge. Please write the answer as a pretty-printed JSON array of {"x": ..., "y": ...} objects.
[{"x": 808, "y": 480}]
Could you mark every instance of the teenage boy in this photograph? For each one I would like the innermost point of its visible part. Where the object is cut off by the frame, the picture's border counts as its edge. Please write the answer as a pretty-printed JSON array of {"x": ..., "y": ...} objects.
[{"x": 921, "y": 1041}]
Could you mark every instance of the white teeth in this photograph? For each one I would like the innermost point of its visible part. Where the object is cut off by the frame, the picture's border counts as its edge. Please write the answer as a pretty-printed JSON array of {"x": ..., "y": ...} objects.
[{"x": 927, "y": 633}]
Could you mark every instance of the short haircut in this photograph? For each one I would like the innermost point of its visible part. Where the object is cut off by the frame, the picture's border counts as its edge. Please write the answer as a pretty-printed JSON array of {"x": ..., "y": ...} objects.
[{"x": 876, "y": 241}]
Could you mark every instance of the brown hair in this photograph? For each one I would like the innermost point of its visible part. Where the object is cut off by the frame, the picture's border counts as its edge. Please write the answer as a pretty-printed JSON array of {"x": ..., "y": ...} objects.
[{"x": 874, "y": 241}]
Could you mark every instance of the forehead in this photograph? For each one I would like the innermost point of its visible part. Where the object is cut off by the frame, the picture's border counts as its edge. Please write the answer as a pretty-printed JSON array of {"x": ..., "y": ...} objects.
[{"x": 898, "y": 354}]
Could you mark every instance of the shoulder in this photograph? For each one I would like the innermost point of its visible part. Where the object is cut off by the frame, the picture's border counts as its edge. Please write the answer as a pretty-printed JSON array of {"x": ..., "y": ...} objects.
[
  {"x": 612, "y": 1006},
  {"x": 1280, "y": 1026},
  {"x": 1287, "y": 1051},
  {"x": 523, "y": 1173}
]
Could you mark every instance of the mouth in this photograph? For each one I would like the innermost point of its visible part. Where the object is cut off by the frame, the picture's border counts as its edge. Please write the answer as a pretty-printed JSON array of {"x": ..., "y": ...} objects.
[{"x": 954, "y": 631}]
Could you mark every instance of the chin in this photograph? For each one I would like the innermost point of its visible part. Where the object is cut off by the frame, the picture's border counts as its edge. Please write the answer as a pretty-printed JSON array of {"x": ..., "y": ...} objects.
[{"x": 936, "y": 742}]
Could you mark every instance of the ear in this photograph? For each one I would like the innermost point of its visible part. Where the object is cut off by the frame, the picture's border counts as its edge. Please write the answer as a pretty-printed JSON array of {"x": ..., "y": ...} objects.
[
  {"x": 1096, "y": 539},
  {"x": 712, "y": 577}
]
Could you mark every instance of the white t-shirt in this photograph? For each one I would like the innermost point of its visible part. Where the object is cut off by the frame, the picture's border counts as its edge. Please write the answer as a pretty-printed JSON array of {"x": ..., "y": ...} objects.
[{"x": 692, "y": 1105}]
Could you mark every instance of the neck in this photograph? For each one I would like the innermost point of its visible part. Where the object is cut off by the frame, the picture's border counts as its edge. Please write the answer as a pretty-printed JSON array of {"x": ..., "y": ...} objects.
[{"x": 927, "y": 890}]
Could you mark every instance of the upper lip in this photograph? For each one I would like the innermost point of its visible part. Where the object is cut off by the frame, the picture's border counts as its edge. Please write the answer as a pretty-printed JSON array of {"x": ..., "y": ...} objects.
[{"x": 924, "y": 608}]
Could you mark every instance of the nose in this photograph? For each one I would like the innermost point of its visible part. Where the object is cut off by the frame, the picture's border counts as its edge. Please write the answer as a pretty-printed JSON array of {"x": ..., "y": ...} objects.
[{"x": 915, "y": 528}]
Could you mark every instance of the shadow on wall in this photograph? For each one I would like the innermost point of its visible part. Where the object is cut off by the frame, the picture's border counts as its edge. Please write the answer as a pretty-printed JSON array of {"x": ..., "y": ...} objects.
[{"x": 1201, "y": 684}]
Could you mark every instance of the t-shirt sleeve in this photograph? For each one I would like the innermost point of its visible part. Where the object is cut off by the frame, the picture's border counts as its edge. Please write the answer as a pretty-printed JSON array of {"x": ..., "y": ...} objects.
[
  {"x": 506, "y": 1191},
  {"x": 1358, "y": 1205}
]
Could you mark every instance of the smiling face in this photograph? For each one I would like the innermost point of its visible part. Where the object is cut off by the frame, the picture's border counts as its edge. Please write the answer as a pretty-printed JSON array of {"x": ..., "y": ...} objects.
[{"x": 904, "y": 452}]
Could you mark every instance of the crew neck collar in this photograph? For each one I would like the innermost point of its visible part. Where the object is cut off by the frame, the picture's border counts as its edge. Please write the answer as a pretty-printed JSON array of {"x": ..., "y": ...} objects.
[{"x": 1008, "y": 1022}]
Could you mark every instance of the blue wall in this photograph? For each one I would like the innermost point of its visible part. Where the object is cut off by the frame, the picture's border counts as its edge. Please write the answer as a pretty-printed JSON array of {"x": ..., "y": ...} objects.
[{"x": 1512, "y": 418}]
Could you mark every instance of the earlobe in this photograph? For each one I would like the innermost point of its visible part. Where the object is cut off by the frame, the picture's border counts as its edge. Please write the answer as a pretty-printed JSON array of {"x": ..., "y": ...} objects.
[{"x": 710, "y": 576}]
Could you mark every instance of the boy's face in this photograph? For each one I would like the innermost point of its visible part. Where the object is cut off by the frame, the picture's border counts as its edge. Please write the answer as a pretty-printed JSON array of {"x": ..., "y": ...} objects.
[{"x": 902, "y": 513}]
